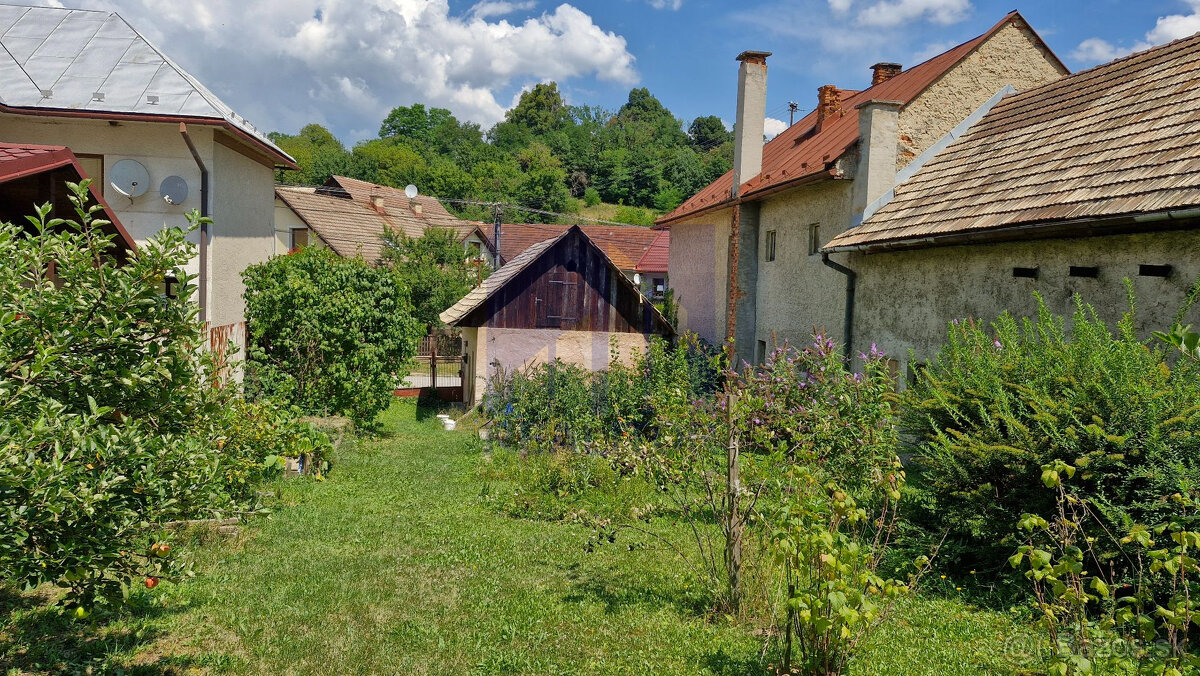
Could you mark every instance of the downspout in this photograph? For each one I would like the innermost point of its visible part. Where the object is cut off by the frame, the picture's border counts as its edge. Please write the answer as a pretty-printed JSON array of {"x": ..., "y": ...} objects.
[
  {"x": 203, "y": 299},
  {"x": 848, "y": 320}
]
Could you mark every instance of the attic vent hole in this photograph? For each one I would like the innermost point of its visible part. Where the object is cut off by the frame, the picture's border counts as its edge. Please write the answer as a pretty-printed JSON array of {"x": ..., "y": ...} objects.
[
  {"x": 1026, "y": 273},
  {"x": 1088, "y": 271},
  {"x": 1145, "y": 270}
]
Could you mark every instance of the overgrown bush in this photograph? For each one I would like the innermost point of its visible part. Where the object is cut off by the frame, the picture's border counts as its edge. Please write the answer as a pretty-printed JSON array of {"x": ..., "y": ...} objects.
[
  {"x": 1003, "y": 399},
  {"x": 331, "y": 335},
  {"x": 557, "y": 405},
  {"x": 113, "y": 421}
]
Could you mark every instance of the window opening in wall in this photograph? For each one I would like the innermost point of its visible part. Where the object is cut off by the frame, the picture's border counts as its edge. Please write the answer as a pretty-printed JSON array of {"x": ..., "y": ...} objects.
[
  {"x": 1084, "y": 271},
  {"x": 814, "y": 239},
  {"x": 769, "y": 246},
  {"x": 169, "y": 287},
  {"x": 1145, "y": 270},
  {"x": 658, "y": 287},
  {"x": 761, "y": 357},
  {"x": 1026, "y": 273},
  {"x": 298, "y": 237},
  {"x": 914, "y": 371}
]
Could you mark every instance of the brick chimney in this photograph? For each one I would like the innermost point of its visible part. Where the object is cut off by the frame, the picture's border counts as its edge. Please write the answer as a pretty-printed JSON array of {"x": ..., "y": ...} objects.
[
  {"x": 377, "y": 204},
  {"x": 417, "y": 207},
  {"x": 884, "y": 71},
  {"x": 751, "y": 117},
  {"x": 829, "y": 104}
]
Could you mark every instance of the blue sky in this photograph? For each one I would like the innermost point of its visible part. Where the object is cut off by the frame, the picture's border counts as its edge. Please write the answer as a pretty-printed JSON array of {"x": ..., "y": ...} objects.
[{"x": 345, "y": 63}]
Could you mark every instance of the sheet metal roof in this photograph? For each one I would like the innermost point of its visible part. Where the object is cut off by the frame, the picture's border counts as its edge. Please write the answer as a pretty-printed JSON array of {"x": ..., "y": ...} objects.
[
  {"x": 655, "y": 258},
  {"x": 625, "y": 245},
  {"x": 803, "y": 153},
  {"x": 57, "y": 59},
  {"x": 21, "y": 160},
  {"x": 1119, "y": 139}
]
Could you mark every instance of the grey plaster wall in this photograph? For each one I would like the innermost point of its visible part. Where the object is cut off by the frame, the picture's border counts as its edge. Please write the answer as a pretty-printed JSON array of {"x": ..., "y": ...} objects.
[
  {"x": 796, "y": 292},
  {"x": 906, "y": 298}
]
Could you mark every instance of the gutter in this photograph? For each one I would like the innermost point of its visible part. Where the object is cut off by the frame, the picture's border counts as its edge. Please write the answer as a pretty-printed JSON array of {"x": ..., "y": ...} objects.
[
  {"x": 747, "y": 197},
  {"x": 848, "y": 319},
  {"x": 1119, "y": 224},
  {"x": 283, "y": 159},
  {"x": 204, "y": 234}
]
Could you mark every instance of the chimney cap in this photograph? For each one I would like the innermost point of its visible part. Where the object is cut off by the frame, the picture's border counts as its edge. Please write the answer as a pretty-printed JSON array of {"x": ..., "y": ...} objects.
[
  {"x": 882, "y": 103},
  {"x": 753, "y": 56},
  {"x": 886, "y": 64}
]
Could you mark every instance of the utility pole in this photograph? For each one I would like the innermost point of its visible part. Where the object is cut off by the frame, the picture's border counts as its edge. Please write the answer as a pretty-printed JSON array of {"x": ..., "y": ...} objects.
[
  {"x": 792, "y": 108},
  {"x": 496, "y": 234}
]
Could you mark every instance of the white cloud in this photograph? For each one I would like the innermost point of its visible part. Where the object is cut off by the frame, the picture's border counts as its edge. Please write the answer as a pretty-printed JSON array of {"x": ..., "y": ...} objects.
[
  {"x": 345, "y": 63},
  {"x": 1167, "y": 28},
  {"x": 840, "y": 6},
  {"x": 774, "y": 127},
  {"x": 490, "y": 8},
  {"x": 666, "y": 4},
  {"x": 889, "y": 13}
]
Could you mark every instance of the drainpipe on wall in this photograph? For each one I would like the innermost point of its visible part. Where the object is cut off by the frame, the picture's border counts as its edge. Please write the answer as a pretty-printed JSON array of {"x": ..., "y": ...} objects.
[
  {"x": 848, "y": 320},
  {"x": 203, "y": 299}
]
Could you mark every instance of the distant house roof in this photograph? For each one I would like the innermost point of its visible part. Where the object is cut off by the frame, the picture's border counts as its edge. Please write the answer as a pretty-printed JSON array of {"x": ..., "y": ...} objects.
[
  {"x": 20, "y": 161},
  {"x": 625, "y": 245},
  {"x": 1119, "y": 139},
  {"x": 655, "y": 258},
  {"x": 803, "y": 152},
  {"x": 344, "y": 216},
  {"x": 93, "y": 64},
  {"x": 498, "y": 280}
]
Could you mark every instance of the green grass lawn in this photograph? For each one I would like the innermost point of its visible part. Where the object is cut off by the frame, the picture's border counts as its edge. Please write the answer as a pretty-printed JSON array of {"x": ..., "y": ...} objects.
[{"x": 395, "y": 566}]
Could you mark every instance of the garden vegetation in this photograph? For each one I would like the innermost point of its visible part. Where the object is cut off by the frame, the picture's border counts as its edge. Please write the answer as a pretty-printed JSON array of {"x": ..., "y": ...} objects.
[
  {"x": 113, "y": 419},
  {"x": 1051, "y": 460}
]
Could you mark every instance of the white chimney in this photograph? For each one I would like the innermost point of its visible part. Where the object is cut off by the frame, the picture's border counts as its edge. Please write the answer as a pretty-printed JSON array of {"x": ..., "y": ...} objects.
[
  {"x": 751, "y": 117},
  {"x": 878, "y": 136}
]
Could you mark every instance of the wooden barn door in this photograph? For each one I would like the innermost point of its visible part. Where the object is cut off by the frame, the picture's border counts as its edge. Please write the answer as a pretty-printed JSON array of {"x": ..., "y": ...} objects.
[{"x": 560, "y": 307}]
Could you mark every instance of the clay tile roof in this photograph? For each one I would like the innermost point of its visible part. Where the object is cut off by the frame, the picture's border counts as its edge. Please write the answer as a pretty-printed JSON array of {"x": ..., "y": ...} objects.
[
  {"x": 347, "y": 227},
  {"x": 343, "y": 215},
  {"x": 655, "y": 258},
  {"x": 1119, "y": 139},
  {"x": 624, "y": 244},
  {"x": 91, "y": 63},
  {"x": 803, "y": 153}
]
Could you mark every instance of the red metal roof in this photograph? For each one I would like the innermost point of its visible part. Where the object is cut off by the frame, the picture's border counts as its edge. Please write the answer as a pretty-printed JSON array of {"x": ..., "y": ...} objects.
[
  {"x": 802, "y": 153},
  {"x": 655, "y": 258},
  {"x": 20, "y": 160},
  {"x": 624, "y": 244}
]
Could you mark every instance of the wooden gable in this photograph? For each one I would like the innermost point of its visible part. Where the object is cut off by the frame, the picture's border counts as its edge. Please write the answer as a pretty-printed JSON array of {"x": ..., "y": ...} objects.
[{"x": 571, "y": 286}]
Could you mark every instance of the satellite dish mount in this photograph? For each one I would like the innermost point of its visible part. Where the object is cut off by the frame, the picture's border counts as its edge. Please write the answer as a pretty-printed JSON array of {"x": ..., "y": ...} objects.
[{"x": 130, "y": 178}]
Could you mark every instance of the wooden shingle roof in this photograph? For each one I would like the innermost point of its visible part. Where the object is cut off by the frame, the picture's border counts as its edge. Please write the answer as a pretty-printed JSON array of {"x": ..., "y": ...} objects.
[{"x": 1119, "y": 139}]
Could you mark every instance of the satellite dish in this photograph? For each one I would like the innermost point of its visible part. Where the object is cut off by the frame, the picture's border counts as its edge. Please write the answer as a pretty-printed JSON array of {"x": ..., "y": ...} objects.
[
  {"x": 130, "y": 178},
  {"x": 410, "y": 190},
  {"x": 174, "y": 190}
]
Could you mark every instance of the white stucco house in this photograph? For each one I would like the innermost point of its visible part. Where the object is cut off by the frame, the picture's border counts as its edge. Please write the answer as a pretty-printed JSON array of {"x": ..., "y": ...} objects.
[{"x": 87, "y": 80}]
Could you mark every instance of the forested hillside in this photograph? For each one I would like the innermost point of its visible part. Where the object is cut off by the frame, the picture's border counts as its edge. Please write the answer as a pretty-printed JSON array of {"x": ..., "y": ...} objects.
[{"x": 545, "y": 154}]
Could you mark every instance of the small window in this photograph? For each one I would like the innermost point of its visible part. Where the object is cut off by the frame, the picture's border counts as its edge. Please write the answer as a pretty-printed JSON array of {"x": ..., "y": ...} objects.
[
  {"x": 769, "y": 246},
  {"x": 169, "y": 287},
  {"x": 299, "y": 239},
  {"x": 659, "y": 285},
  {"x": 1088, "y": 271},
  {"x": 761, "y": 357},
  {"x": 914, "y": 372},
  {"x": 814, "y": 239}
]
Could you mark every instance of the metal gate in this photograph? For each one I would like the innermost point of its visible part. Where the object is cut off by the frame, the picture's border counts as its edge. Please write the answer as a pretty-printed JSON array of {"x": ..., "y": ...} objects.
[{"x": 437, "y": 368}]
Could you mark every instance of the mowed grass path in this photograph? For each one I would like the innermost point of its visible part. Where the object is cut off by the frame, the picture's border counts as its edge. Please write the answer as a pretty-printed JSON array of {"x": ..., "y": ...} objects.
[{"x": 395, "y": 566}]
